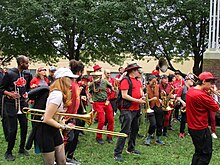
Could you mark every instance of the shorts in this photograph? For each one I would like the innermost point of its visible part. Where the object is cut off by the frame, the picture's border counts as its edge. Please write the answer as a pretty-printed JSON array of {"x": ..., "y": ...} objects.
[{"x": 48, "y": 138}]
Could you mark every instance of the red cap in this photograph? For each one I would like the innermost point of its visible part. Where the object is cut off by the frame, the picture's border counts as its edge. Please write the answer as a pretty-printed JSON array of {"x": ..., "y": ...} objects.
[
  {"x": 96, "y": 67},
  {"x": 206, "y": 76},
  {"x": 154, "y": 72}
]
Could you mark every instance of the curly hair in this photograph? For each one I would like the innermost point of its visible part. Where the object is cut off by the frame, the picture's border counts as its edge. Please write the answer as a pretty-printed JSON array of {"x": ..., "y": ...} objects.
[{"x": 76, "y": 66}]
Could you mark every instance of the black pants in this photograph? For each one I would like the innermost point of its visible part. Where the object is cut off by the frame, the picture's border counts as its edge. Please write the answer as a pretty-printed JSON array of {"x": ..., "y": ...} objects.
[
  {"x": 4, "y": 119},
  {"x": 113, "y": 104},
  {"x": 129, "y": 125},
  {"x": 202, "y": 141},
  {"x": 183, "y": 122},
  {"x": 72, "y": 141},
  {"x": 156, "y": 121},
  {"x": 12, "y": 120}
]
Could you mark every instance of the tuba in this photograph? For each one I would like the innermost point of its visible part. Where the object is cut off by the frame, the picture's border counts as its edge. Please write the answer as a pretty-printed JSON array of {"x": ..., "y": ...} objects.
[
  {"x": 162, "y": 64},
  {"x": 96, "y": 77}
]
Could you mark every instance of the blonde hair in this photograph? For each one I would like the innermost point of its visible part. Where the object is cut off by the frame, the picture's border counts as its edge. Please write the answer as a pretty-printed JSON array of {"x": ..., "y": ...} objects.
[{"x": 62, "y": 84}]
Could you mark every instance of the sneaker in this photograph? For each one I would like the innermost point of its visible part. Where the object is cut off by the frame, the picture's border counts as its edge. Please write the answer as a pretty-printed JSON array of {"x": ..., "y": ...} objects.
[
  {"x": 23, "y": 152},
  {"x": 181, "y": 135},
  {"x": 152, "y": 136},
  {"x": 100, "y": 141},
  {"x": 160, "y": 142},
  {"x": 134, "y": 152},
  {"x": 109, "y": 140},
  {"x": 147, "y": 141},
  {"x": 72, "y": 161},
  {"x": 214, "y": 136},
  {"x": 9, "y": 157},
  {"x": 118, "y": 158}
]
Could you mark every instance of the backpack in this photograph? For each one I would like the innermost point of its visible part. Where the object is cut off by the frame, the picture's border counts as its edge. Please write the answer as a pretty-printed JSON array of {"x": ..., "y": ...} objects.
[{"x": 120, "y": 102}]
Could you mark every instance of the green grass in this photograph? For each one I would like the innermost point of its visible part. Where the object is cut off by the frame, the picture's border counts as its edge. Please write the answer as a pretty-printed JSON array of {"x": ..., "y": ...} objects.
[{"x": 176, "y": 151}]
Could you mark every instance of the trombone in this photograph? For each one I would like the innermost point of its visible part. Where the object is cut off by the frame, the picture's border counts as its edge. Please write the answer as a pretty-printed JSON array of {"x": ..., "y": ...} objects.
[
  {"x": 87, "y": 118},
  {"x": 195, "y": 78}
]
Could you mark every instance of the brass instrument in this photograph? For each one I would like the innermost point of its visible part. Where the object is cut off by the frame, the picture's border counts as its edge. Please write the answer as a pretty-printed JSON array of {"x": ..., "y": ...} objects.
[
  {"x": 167, "y": 101},
  {"x": 17, "y": 101},
  {"x": 183, "y": 109},
  {"x": 96, "y": 76},
  {"x": 162, "y": 64},
  {"x": 216, "y": 93},
  {"x": 87, "y": 118},
  {"x": 147, "y": 108},
  {"x": 39, "y": 112}
]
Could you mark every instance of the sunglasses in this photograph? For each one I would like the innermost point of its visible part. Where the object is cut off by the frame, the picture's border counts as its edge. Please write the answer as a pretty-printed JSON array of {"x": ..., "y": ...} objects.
[
  {"x": 42, "y": 70},
  {"x": 210, "y": 80}
]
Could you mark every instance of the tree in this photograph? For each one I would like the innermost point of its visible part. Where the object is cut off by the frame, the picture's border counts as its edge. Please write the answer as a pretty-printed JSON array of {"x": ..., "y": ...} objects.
[
  {"x": 174, "y": 30},
  {"x": 81, "y": 29},
  {"x": 92, "y": 30}
]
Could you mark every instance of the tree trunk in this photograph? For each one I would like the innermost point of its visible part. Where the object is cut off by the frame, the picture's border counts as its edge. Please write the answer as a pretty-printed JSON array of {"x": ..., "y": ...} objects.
[{"x": 198, "y": 62}]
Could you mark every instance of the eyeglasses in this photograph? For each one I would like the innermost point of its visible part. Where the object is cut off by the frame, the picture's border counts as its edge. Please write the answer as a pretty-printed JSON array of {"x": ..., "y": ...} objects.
[{"x": 107, "y": 73}]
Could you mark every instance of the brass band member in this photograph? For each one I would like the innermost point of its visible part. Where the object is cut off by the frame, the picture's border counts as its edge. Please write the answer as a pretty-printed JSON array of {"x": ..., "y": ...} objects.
[
  {"x": 132, "y": 97},
  {"x": 155, "y": 118},
  {"x": 181, "y": 97},
  {"x": 166, "y": 90},
  {"x": 50, "y": 139},
  {"x": 15, "y": 85},
  {"x": 112, "y": 95},
  {"x": 101, "y": 105},
  {"x": 198, "y": 105}
]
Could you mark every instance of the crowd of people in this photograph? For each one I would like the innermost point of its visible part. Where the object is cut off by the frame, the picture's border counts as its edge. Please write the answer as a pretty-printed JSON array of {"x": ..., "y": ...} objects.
[{"x": 170, "y": 97}]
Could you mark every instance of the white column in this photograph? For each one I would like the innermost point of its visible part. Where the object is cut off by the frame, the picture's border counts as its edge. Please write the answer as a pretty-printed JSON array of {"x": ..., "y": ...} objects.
[{"x": 214, "y": 24}]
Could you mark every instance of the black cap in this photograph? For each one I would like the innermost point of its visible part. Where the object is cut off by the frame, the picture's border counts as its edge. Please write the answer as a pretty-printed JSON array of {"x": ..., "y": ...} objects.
[
  {"x": 163, "y": 76},
  {"x": 151, "y": 77}
]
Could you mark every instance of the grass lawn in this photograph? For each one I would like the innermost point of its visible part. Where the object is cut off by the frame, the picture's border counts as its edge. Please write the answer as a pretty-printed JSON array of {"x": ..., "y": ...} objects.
[{"x": 176, "y": 151}]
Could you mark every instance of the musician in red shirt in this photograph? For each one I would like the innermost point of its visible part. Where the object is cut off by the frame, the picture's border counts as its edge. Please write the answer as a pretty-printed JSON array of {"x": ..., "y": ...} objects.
[
  {"x": 130, "y": 113},
  {"x": 198, "y": 105}
]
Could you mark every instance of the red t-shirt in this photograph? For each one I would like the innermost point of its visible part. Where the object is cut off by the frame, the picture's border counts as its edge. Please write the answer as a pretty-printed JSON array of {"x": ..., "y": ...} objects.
[
  {"x": 198, "y": 105},
  {"x": 111, "y": 94},
  {"x": 178, "y": 84},
  {"x": 136, "y": 91},
  {"x": 73, "y": 108}
]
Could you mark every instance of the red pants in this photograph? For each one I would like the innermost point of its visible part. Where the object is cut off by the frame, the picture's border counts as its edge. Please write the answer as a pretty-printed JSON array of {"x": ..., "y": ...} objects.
[
  {"x": 167, "y": 115},
  {"x": 103, "y": 111},
  {"x": 212, "y": 121}
]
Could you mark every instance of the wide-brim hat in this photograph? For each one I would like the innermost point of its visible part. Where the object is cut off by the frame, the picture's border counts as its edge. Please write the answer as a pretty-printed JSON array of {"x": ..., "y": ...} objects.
[
  {"x": 132, "y": 66},
  {"x": 206, "y": 76},
  {"x": 96, "y": 67}
]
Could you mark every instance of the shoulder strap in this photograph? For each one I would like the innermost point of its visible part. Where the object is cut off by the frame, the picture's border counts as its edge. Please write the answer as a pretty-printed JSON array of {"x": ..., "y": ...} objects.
[{"x": 130, "y": 85}]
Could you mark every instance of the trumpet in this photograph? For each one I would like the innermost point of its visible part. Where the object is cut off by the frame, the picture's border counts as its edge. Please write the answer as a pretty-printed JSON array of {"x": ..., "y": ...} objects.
[
  {"x": 147, "y": 108},
  {"x": 86, "y": 117}
]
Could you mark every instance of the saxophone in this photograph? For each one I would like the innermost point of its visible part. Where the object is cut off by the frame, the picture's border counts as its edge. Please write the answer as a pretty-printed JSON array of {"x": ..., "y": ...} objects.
[{"x": 166, "y": 100}]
